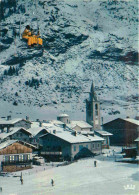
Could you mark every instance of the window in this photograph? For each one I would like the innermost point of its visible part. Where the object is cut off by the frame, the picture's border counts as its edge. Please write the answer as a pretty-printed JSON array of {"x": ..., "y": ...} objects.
[
  {"x": 21, "y": 158},
  {"x": 96, "y": 109},
  {"x": 93, "y": 145},
  {"x": 80, "y": 147},
  {"x": 74, "y": 148},
  {"x": 86, "y": 146},
  {"x": 98, "y": 145}
]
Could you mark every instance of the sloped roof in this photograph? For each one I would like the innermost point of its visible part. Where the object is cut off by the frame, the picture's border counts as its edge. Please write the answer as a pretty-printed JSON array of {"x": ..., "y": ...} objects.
[
  {"x": 35, "y": 130},
  {"x": 70, "y": 137},
  {"x": 13, "y": 130},
  {"x": 104, "y": 133},
  {"x": 81, "y": 124},
  {"x": 56, "y": 122},
  {"x": 12, "y": 121},
  {"x": 130, "y": 120},
  {"x": 63, "y": 115},
  {"x": 7, "y": 143},
  {"x": 137, "y": 140},
  {"x": 134, "y": 121},
  {"x": 95, "y": 138},
  {"x": 10, "y": 142}
]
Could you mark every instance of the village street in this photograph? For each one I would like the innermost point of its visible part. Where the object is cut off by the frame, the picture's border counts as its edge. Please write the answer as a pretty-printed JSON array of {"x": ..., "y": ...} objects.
[{"x": 80, "y": 178}]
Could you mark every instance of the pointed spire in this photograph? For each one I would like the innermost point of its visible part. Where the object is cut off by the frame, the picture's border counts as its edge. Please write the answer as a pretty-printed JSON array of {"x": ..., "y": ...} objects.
[
  {"x": 92, "y": 88},
  {"x": 92, "y": 93}
]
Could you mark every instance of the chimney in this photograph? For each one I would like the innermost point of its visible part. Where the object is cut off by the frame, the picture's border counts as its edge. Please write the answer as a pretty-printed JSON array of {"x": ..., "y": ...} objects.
[
  {"x": 127, "y": 117},
  {"x": 27, "y": 118},
  {"x": 54, "y": 131},
  {"x": 8, "y": 129},
  {"x": 74, "y": 133},
  {"x": 8, "y": 117},
  {"x": 40, "y": 124}
]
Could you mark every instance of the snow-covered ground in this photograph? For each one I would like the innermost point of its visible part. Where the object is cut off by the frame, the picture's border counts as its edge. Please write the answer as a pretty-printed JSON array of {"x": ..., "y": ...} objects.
[{"x": 79, "y": 178}]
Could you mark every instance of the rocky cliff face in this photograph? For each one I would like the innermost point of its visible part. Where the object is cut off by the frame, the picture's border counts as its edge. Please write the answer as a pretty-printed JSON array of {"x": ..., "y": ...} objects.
[{"x": 83, "y": 41}]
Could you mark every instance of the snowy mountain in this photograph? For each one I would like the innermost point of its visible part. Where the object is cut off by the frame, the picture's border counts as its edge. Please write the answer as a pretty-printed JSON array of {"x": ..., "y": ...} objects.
[{"x": 84, "y": 40}]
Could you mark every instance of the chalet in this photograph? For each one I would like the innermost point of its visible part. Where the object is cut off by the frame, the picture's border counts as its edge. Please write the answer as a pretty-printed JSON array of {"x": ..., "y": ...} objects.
[
  {"x": 64, "y": 143},
  {"x": 15, "y": 155},
  {"x": 106, "y": 136},
  {"x": 124, "y": 131},
  {"x": 16, "y": 122},
  {"x": 16, "y": 133}
]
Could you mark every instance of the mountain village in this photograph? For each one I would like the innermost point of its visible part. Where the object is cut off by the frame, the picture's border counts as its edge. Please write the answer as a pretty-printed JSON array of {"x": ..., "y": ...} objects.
[
  {"x": 69, "y": 122},
  {"x": 24, "y": 142}
]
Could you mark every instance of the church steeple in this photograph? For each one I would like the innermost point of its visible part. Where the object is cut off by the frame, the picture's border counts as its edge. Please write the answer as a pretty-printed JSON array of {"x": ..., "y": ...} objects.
[
  {"x": 93, "y": 109},
  {"x": 92, "y": 93}
]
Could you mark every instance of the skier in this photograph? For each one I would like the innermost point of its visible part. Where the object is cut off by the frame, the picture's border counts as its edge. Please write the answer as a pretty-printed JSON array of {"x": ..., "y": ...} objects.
[
  {"x": 52, "y": 182},
  {"x": 21, "y": 179},
  {"x": 95, "y": 163}
]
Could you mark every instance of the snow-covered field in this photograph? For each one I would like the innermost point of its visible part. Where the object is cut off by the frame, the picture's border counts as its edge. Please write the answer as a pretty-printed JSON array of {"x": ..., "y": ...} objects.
[{"x": 79, "y": 178}]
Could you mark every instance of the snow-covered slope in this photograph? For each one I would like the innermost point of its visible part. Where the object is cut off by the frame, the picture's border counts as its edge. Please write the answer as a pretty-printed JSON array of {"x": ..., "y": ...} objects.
[
  {"x": 111, "y": 178},
  {"x": 83, "y": 41}
]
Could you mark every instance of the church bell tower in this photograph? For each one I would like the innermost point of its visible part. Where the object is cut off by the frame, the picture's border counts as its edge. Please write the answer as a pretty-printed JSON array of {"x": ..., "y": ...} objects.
[{"x": 93, "y": 110}]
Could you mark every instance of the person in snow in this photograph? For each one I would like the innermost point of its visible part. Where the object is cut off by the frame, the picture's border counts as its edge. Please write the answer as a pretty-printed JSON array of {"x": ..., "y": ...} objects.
[
  {"x": 21, "y": 179},
  {"x": 95, "y": 163},
  {"x": 52, "y": 182}
]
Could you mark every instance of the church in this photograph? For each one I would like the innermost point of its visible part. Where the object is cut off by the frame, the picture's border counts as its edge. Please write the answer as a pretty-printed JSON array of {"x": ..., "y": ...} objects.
[{"x": 93, "y": 117}]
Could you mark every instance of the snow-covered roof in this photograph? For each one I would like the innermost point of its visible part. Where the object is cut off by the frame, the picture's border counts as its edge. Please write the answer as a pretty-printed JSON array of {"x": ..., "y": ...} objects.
[
  {"x": 9, "y": 142},
  {"x": 34, "y": 124},
  {"x": 134, "y": 121},
  {"x": 95, "y": 138},
  {"x": 69, "y": 136},
  {"x": 35, "y": 130},
  {"x": 104, "y": 133},
  {"x": 87, "y": 132},
  {"x": 12, "y": 121},
  {"x": 137, "y": 140},
  {"x": 57, "y": 122},
  {"x": 81, "y": 124},
  {"x": 43, "y": 124},
  {"x": 130, "y": 120},
  {"x": 63, "y": 115},
  {"x": 12, "y": 131}
]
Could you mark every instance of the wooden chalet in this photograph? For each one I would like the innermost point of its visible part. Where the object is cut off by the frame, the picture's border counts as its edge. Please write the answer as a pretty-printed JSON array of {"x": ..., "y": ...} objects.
[{"x": 15, "y": 156}]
